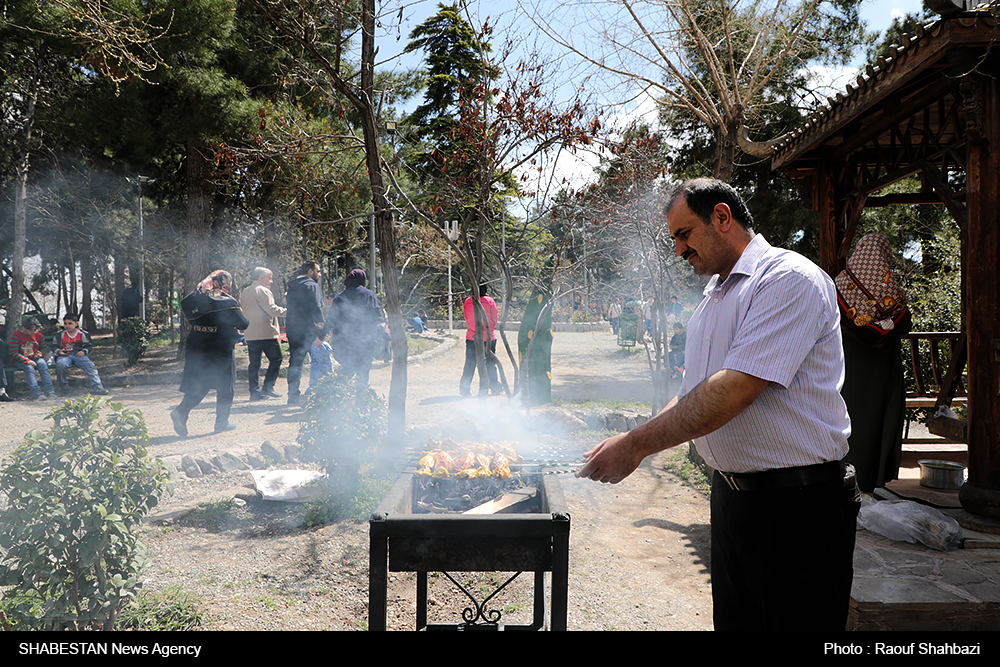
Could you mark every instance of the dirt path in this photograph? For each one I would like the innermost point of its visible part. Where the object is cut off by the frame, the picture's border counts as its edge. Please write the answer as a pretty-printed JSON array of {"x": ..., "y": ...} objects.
[{"x": 638, "y": 550}]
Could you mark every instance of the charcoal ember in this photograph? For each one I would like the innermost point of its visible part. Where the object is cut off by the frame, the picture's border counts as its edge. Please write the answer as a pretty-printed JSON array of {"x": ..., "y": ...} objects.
[{"x": 454, "y": 494}]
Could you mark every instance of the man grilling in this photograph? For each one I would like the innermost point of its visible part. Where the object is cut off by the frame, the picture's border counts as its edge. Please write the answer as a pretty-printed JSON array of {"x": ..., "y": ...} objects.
[{"x": 761, "y": 399}]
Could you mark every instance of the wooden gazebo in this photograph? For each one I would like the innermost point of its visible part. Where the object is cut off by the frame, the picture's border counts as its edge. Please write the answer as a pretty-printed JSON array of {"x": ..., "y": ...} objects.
[{"x": 931, "y": 108}]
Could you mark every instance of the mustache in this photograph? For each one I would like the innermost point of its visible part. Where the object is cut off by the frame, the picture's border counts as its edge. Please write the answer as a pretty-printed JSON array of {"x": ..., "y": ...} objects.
[{"x": 687, "y": 253}]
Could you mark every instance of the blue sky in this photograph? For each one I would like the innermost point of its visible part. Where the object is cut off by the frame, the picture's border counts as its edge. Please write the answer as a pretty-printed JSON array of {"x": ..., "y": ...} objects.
[{"x": 877, "y": 13}]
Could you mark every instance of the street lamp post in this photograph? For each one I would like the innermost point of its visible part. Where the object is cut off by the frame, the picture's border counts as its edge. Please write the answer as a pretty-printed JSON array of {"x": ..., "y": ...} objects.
[
  {"x": 140, "y": 180},
  {"x": 451, "y": 230}
]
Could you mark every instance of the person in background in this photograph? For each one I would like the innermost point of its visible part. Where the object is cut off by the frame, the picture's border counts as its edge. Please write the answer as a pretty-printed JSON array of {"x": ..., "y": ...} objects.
[
  {"x": 647, "y": 316},
  {"x": 353, "y": 324},
  {"x": 131, "y": 300},
  {"x": 303, "y": 322},
  {"x": 677, "y": 343},
  {"x": 72, "y": 346},
  {"x": 873, "y": 318},
  {"x": 615, "y": 315},
  {"x": 417, "y": 323},
  {"x": 25, "y": 347},
  {"x": 257, "y": 302},
  {"x": 209, "y": 361},
  {"x": 489, "y": 340},
  {"x": 4, "y": 396},
  {"x": 675, "y": 308},
  {"x": 320, "y": 364}
]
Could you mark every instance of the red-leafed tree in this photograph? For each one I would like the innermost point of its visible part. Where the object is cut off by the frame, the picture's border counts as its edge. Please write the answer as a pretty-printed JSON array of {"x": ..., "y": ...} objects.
[{"x": 493, "y": 131}]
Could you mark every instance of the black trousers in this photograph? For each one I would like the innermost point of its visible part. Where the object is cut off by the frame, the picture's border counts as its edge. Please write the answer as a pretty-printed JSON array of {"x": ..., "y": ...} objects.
[
  {"x": 297, "y": 351},
  {"x": 223, "y": 402},
  {"x": 783, "y": 560},
  {"x": 272, "y": 350},
  {"x": 465, "y": 385}
]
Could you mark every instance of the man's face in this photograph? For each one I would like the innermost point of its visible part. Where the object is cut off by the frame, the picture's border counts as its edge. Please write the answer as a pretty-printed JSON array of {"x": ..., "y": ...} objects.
[
  {"x": 314, "y": 274},
  {"x": 69, "y": 326},
  {"x": 266, "y": 279},
  {"x": 700, "y": 244}
]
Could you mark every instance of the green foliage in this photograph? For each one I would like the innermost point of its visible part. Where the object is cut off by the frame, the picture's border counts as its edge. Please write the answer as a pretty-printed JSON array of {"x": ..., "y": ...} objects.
[
  {"x": 584, "y": 315},
  {"x": 688, "y": 472},
  {"x": 346, "y": 432},
  {"x": 75, "y": 498},
  {"x": 935, "y": 297},
  {"x": 134, "y": 337},
  {"x": 173, "y": 609}
]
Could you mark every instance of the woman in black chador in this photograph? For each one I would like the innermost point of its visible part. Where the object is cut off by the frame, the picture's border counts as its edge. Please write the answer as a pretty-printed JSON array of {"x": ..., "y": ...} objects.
[
  {"x": 209, "y": 363},
  {"x": 873, "y": 317},
  {"x": 355, "y": 320}
]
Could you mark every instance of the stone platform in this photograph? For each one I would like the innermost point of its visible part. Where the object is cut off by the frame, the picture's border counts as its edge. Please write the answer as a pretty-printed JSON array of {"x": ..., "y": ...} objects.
[{"x": 902, "y": 586}]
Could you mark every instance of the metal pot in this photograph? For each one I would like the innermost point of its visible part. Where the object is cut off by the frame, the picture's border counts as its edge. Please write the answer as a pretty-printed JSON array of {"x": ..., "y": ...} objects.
[{"x": 941, "y": 474}]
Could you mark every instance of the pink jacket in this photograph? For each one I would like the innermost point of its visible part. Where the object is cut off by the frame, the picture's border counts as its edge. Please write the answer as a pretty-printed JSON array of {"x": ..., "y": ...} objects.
[{"x": 492, "y": 314}]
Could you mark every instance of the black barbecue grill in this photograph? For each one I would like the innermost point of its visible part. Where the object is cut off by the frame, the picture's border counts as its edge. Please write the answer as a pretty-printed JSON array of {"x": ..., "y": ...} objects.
[{"x": 534, "y": 540}]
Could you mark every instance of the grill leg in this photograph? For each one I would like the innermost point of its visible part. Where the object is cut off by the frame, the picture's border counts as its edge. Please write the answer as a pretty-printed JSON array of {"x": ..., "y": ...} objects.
[
  {"x": 378, "y": 581},
  {"x": 421, "y": 600},
  {"x": 560, "y": 574},
  {"x": 538, "y": 621}
]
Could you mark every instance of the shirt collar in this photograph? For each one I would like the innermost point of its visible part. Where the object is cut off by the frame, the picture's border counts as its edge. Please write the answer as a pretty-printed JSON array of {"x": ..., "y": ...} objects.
[{"x": 747, "y": 263}]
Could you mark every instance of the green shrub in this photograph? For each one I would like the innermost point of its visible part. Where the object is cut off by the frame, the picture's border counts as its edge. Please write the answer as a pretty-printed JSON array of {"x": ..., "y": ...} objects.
[
  {"x": 134, "y": 337},
  {"x": 75, "y": 498},
  {"x": 346, "y": 433},
  {"x": 583, "y": 315}
]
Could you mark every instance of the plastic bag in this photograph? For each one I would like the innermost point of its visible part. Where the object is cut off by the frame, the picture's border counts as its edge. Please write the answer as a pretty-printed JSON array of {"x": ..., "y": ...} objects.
[
  {"x": 297, "y": 486},
  {"x": 907, "y": 521}
]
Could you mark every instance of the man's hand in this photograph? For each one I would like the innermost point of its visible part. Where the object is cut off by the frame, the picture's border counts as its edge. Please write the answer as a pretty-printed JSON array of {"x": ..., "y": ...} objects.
[
  {"x": 81, "y": 353},
  {"x": 611, "y": 461},
  {"x": 709, "y": 406}
]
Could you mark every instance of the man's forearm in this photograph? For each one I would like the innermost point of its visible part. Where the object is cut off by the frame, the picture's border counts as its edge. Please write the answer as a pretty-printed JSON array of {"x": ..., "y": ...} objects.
[{"x": 710, "y": 405}]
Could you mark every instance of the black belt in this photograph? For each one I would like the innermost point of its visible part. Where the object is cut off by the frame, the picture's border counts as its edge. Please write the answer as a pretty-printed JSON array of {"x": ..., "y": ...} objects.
[
  {"x": 785, "y": 478},
  {"x": 202, "y": 329}
]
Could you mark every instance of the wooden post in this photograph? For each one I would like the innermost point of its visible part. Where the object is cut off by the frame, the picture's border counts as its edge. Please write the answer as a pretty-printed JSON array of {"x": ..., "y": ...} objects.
[{"x": 980, "y": 496}]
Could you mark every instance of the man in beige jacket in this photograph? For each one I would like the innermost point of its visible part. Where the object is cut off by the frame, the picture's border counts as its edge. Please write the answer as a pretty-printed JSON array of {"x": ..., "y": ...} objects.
[{"x": 258, "y": 305}]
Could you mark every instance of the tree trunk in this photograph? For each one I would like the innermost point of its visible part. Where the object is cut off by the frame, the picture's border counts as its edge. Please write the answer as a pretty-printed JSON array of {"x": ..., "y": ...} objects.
[
  {"x": 16, "y": 309},
  {"x": 199, "y": 222},
  {"x": 725, "y": 150},
  {"x": 384, "y": 233},
  {"x": 87, "y": 319},
  {"x": 199, "y": 228},
  {"x": 72, "y": 303}
]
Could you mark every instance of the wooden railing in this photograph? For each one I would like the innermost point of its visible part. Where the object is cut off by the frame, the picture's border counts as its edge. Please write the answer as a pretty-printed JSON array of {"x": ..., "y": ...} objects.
[{"x": 937, "y": 385}]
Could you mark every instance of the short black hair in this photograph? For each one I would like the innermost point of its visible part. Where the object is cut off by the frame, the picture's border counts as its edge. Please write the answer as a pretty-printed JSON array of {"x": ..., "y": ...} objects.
[
  {"x": 702, "y": 194},
  {"x": 72, "y": 316},
  {"x": 484, "y": 289},
  {"x": 307, "y": 267}
]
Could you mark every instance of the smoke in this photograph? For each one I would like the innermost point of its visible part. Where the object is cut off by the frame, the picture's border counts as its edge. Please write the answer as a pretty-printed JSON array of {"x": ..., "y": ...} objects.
[{"x": 542, "y": 433}]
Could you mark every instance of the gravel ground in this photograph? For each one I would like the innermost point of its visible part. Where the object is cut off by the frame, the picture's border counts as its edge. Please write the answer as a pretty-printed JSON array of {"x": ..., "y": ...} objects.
[{"x": 638, "y": 550}]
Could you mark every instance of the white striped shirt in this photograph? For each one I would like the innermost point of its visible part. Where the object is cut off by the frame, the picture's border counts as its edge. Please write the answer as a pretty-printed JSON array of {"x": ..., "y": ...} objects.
[{"x": 775, "y": 317}]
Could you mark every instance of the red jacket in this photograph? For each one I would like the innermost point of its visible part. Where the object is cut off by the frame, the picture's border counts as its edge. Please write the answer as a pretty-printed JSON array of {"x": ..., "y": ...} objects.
[{"x": 492, "y": 315}]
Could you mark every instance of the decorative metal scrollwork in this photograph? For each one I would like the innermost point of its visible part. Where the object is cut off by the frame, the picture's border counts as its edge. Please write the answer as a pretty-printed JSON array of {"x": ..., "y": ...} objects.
[{"x": 478, "y": 612}]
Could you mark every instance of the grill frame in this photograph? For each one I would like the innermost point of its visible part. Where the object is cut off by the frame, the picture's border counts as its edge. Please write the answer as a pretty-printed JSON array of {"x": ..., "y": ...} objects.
[{"x": 403, "y": 541}]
